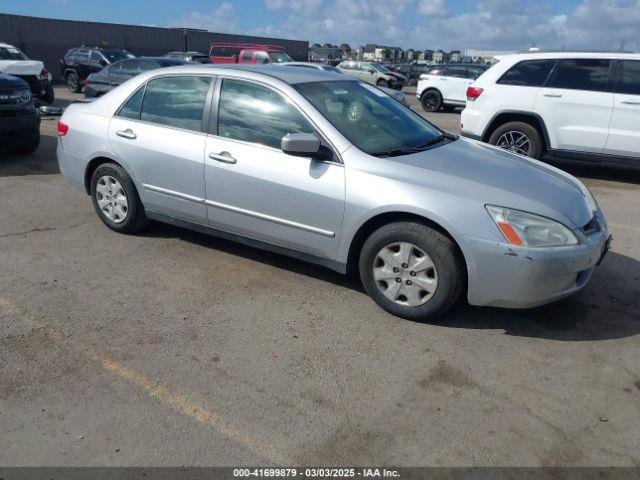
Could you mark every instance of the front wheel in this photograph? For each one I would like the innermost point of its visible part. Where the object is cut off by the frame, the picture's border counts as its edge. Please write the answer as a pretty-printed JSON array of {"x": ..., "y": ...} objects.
[
  {"x": 518, "y": 137},
  {"x": 73, "y": 82},
  {"x": 116, "y": 199},
  {"x": 431, "y": 101},
  {"x": 411, "y": 270},
  {"x": 382, "y": 83}
]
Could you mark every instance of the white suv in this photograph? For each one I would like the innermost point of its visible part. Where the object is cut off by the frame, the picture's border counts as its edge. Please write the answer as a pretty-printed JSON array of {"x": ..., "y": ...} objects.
[
  {"x": 445, "y": 86},
  {"x": 583, "y": 106}
]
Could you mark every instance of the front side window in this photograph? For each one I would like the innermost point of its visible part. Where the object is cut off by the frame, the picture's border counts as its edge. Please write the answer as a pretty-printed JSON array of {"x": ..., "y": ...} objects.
[
  {"x": 257, "y": 114},
  {"x": 129, "y": 67},
  {"x": 529, "y": 73},
  {"x": 261, "y": 57},
  {"x": 458, "y": 72},
  {"x": 582, "y": 74},
  {"x": 629, "y": 82},
  {"x": 95, "y": 57},
  {"x": 176, "y": 102},
  {"x": 280, "y": 57},
  {"x": 247, "y": 56},
  {"x": 369, "y": 118}
]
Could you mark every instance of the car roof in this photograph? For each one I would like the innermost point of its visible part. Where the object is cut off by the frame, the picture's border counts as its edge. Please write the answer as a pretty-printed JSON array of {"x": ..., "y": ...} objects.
[
  {"x": 541, "y": 55},
  {"x": 6, "y": 45},
  {"x": 291, "y": 76},
  {"x": 460, "y": 65}
]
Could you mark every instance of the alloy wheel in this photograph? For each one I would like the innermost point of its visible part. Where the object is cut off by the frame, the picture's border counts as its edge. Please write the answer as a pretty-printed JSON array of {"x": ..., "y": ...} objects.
[
  {"x": 515, "y": 141},
  {"x": 405, "y": 274},
  {"x": 112, "y": 199}
]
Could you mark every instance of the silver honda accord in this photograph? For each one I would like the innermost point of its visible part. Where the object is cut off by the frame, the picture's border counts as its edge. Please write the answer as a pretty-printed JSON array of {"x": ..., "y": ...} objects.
[{"x": 333, "y": 171}]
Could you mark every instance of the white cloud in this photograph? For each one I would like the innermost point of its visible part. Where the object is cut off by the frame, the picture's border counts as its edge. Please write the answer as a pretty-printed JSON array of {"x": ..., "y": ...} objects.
[{"x": 487, "y": 24}]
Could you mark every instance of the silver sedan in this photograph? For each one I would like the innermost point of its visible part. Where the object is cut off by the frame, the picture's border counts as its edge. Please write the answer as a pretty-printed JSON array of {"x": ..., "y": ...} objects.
[{"x": 331, "y": 170}]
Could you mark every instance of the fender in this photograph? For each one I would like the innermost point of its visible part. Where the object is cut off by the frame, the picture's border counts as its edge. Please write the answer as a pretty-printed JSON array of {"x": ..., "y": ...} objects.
[{"x": 523, "y": 113}]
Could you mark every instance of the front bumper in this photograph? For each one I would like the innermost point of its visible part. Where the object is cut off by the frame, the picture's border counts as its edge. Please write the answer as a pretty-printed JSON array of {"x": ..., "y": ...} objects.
[{"x": 502, "y": 275}]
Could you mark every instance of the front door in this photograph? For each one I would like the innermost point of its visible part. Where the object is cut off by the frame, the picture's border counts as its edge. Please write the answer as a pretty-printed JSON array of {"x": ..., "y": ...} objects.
[
  {"x": 576, "y": 105},
  {"x": 254, "y": 189},
  {"x": 624, "y": 130},
  {"x": 159, "y": 135}
]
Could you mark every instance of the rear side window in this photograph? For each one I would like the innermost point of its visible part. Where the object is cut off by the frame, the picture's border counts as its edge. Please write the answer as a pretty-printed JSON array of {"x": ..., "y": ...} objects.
[
  {"x": 459, "y": 72},
  {"x": 529, "y": 73},
  {"x": 224, "y": 51},
  {"x": 475, "y": 72},
  {"x": 257, "y": 114},
  {"x": 581, "y": 74},
  {"x": 629, "y": 80},
  {"x": 129, "y": 67},
  {"x": 176, "y": 102}
]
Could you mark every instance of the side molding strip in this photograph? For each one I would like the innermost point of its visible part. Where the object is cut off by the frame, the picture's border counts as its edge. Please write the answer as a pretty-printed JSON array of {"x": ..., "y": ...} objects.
[{"x": 242, "y": 211}]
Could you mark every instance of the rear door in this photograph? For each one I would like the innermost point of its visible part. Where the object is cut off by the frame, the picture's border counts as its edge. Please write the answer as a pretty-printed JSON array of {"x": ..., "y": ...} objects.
[
  {"x": 576, "y": 104},
  {"x": 454, "y": 83},
  {"x": 159, "y": 135},
  {"x": 624, "y": 130}
]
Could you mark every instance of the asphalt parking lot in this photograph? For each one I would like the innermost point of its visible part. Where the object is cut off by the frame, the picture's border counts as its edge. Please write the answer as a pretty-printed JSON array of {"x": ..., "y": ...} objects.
[{"x": 173, "y": 348}]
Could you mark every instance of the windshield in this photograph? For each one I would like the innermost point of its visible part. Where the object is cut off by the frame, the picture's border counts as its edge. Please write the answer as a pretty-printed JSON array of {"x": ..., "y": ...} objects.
[
  {"x": 280, "y": 57},
  {"x": 12, "y": 53},
  {"x": 329, "y": 68},
  {"x": 116, "y": 55},
  {"x": 369, "y": 118}
]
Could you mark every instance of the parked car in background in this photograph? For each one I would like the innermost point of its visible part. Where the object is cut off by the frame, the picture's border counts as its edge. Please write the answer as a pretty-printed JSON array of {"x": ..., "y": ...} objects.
[
  {"x": 445, "y": 86},
  {"x": 575, "y": 105},
  {"x": 397, "y": 94},
  {"x": 247, "y": 53},
  {"x": 373, "y": 73},
  {"x": 107, "y": 79},
  {"x": 14, "y": 62},
  {"x": 412, "y": 72},
  {"x": 19, "y": 119},
  {"x": 78, "y": 63},
  {"x": 330, "y": 170},
  {"x": 196, "y": 57}
]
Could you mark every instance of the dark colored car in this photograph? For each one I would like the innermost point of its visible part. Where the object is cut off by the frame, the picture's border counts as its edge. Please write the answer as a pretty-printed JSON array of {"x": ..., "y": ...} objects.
[
  {"x": 412, "y": 72},
  {"x": 108, "y": 78},
  {"x": 19, "y": 118},
  {"x": 79, "y": 63},
  {"x": 196, "y": 57}
]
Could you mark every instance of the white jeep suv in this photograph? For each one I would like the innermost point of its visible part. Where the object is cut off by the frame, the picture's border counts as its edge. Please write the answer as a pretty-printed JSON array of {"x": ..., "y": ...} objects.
[
  {"x": 575, "y": 105},
  {"x": 445, "y": 86}
]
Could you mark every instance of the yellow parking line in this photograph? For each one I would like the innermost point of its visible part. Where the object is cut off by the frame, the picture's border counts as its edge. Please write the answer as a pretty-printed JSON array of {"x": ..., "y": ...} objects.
[{"x": 176, "y": 401}]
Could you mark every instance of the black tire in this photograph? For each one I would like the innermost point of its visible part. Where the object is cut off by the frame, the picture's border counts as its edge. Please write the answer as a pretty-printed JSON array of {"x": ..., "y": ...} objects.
[
  {"x": 449, "y": 265},
  {"x": 27, "y": 148},
  {"x": 382, "y": 83},
  {"x": 431, "y": 100},
  {"x": 535, "y": 142},
  {"x": 49, "y": 95},
  {"x": 73, "y": 82},
  {"x": 135, "y": 218}
]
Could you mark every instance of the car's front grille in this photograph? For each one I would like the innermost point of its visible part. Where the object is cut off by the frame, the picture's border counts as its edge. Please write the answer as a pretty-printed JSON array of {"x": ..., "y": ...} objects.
[{"x": 592, "y": 227}]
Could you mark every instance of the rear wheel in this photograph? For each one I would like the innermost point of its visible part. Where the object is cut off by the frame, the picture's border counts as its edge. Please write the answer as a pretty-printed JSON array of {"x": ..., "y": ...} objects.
[
  {"x": 411, "y": 270},
  {"x": 116, "y": 199},
  {"x": 518, "y": 137},
  {"x": 73, "y": 82},
  {"x": 431, "y": 101},
  {"x": 382, "y": 83}
]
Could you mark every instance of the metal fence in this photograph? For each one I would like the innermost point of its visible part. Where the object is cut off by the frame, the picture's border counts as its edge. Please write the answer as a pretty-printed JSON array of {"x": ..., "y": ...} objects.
[{"x": 49, "y": 39}]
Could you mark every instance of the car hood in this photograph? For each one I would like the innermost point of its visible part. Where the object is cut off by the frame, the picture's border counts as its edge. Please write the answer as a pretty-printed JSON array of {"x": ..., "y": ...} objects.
[
  {"x": 496, "y": 177},
  {"x": 21, "y": 67},
  {"x": 399, "y": 76}
]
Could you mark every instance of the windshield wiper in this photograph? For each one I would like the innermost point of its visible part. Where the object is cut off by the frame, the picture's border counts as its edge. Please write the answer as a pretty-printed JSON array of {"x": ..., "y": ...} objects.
[
  {"x": 439, "y": 139},
  {"x": 396, "y": 152}
]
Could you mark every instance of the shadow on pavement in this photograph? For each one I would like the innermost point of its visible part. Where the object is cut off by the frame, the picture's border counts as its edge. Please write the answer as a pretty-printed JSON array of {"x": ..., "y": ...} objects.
[
  {"x": 606, "y": 309},
  {"x": 596, "y": 171},
  {"x": 41, "y": 162}
]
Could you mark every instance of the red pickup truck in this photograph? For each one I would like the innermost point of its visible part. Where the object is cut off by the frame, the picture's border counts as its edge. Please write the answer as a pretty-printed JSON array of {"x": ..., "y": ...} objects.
[{"x": 247, "y": 53}]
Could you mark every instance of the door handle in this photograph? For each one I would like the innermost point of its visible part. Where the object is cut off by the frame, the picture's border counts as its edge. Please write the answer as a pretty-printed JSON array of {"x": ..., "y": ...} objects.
[
  {"x": 630, "y": 102},
  {"x": 128, "y": 134},
  {"x": 552, "y": 95},
  {"x": 224, "y": 157}
]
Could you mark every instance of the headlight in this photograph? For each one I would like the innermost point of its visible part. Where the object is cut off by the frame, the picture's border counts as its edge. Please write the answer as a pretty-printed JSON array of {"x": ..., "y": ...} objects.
[
  {"x": 527, "y": 229},
  {"x": 24, "y": 96},
  {"x": 44, "y": 75}
]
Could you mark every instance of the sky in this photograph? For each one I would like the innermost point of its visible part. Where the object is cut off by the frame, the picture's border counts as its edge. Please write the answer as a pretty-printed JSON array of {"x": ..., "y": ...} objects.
[{"x": 419, "y": 24}]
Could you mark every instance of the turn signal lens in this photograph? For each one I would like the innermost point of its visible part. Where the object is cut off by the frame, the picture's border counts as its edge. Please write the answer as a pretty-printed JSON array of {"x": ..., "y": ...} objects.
[{"x": 63, "y": 129}]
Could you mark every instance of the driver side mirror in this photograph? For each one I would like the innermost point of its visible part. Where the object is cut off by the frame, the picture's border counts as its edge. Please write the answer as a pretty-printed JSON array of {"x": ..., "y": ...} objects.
[
  {"x": 372, "y": 71},
  {"x": 303, "y": 145}
]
